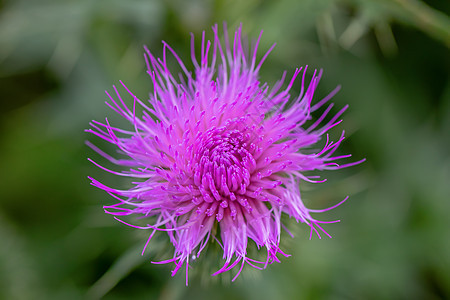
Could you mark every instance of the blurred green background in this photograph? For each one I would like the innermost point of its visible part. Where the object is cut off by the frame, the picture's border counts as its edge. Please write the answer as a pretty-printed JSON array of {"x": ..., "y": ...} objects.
[{"x": 392, "y": 59}]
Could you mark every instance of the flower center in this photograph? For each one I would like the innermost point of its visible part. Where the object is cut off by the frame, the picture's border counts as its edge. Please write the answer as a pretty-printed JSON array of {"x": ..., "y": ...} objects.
[{"x": 224, "y": 166}]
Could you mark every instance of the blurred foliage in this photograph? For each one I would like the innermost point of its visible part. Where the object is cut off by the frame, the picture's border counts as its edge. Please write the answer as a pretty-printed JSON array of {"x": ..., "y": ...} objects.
[{"x": 392, "y": 59}]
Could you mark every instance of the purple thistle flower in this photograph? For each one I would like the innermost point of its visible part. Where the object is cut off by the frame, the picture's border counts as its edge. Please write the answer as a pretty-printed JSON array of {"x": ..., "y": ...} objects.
[{"x": 218, "y": 148}]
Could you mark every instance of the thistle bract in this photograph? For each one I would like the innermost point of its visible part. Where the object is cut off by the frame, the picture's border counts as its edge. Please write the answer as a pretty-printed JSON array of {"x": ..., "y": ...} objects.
[{"x": 217, "y": 148}]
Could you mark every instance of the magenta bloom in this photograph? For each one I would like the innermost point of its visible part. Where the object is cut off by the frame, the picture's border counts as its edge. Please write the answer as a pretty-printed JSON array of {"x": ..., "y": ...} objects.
[{"x": 218, "y": 149}]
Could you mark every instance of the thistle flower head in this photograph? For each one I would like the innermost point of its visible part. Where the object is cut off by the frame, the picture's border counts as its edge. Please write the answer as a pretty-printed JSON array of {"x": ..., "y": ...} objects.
[{"x": 217, "y": 148}]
